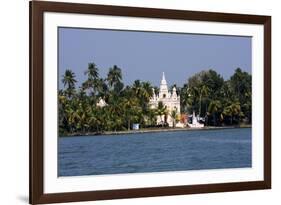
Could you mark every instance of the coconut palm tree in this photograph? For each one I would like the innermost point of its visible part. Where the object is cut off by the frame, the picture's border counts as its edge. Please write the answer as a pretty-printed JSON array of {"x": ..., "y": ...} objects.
[
  {"x": 118, "y": 87},
  {"x": 174, "y": 116},
  {"x": 131, "y": 109},
  {"x": 137, "y": 88},
  {"x": 92, "y": 84},
  {"x": 143, "y": 91},
  {"x": 147, "y": 90},
  {"x": 70, "y": 116},
  {"x": 184, "y": 97},
  {"x": 68, "y": 80},
  {"x": 114, "y": 76},
  {"x": 115, "y": 112},
  {"x": 236, "y": 111},
  {"x": 151, "y": 114},
  {"x": 233, "y": 111},
  {"x": 214, "y": 109},
  {"x": 62, "y": 101},
  {"x": 92, "y": 72},
  {"x": 81, "y": 116},
  {"x": 192, "y": 97},
  {"x": 161, "y": 110},
  {"x": 203, "y": 91}
]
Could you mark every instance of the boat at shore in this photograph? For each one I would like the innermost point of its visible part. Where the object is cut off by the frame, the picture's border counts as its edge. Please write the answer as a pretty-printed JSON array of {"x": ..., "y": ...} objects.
[{"x": 195, "y": 123}]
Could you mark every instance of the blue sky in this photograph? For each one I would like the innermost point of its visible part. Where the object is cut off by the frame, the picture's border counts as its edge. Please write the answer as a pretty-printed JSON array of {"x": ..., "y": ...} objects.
[{"x": 145, "y": 55}]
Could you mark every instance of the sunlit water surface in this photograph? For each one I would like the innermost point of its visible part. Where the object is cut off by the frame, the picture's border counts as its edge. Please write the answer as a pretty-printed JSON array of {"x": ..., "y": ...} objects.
[{"x": 155, "y": 152}]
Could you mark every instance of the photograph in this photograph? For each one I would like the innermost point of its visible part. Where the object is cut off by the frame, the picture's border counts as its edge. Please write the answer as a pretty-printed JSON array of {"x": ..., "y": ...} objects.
[
  {"x": 131, "y": 101},
  {"x": 146, "y": 101}
]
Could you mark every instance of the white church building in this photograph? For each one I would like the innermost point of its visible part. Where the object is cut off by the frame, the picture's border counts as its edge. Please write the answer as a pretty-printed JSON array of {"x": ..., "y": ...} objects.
[{"x": 169, "y": 99}]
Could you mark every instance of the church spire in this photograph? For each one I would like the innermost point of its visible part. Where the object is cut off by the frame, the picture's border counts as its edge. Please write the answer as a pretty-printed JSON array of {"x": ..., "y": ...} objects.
[
  {"x": 163, "y": 81},
  {"x": 164, "y": 92}
]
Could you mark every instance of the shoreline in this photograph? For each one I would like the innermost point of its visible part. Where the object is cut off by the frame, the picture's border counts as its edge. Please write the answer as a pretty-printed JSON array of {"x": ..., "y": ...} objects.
[{"x": 153, "y": 130}]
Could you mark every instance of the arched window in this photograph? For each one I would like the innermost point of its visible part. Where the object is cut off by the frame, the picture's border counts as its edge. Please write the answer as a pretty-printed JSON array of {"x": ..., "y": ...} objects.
[{"x": 164, "y": 95}]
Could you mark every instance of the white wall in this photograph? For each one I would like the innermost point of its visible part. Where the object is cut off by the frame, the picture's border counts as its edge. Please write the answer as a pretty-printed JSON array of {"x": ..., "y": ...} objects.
[{"x": 14, "y": 101}]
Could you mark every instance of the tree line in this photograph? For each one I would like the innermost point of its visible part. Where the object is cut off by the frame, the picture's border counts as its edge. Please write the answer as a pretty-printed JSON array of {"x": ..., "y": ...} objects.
[{"x": 216, "y": 101}]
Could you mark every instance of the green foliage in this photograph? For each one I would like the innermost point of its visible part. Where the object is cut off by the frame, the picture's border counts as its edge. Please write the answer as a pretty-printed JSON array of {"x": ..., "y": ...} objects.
[
  {"x": 68, "y": 80},
  {"x": 162, "y": 112},
  {"x": 206, "y": 93},
  {"x": 175, "y": 117},
  {"x": 218, "y": 101},
  {"x": 80, "y": 113}
]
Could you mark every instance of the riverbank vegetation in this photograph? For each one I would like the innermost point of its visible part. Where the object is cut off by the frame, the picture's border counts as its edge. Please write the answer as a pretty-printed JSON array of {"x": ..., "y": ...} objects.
[{"x": 106, "y": 104}]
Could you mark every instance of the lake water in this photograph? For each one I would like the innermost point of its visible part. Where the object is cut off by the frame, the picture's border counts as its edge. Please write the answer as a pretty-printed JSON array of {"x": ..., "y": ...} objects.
[{"x": 155, "y": 152}]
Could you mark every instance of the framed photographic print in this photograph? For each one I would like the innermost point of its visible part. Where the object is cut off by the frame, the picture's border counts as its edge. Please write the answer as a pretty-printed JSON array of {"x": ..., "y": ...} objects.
[{"x": 138, "y": 102}]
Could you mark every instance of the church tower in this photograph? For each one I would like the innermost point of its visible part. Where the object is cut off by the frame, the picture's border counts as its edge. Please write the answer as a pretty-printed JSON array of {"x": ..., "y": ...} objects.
[
  {"x": 169, "y": 99},
  {"x": 163, "y": 92}
]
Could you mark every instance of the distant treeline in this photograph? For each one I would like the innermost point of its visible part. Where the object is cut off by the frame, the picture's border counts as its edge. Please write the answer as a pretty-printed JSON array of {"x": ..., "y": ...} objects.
[{"x": 218, "y": 101}]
